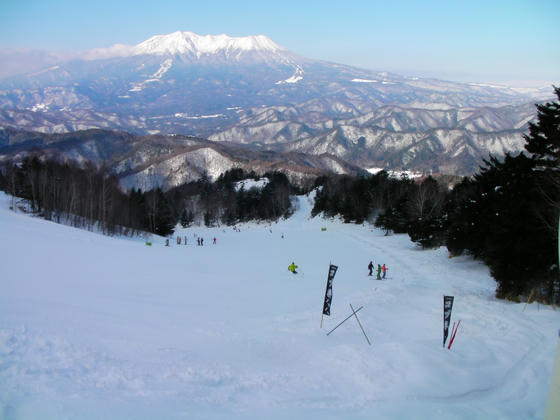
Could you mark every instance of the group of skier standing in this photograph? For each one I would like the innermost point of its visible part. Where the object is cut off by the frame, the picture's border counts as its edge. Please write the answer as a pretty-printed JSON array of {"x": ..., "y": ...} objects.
[
  {"x": 199, "y": 241},
  {"x": 380, "y": 269}
]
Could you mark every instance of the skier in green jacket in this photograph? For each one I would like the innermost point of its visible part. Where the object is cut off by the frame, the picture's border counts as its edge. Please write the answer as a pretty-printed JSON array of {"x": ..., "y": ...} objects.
[
  {"x": 378, "y": 271},
  {"x": 292, "y": 267}
]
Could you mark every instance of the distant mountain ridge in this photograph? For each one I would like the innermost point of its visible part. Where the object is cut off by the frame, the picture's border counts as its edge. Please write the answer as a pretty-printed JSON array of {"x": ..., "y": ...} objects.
[
  {"x": 166, "y": 161},
  {"x": 251, "y": 90}
]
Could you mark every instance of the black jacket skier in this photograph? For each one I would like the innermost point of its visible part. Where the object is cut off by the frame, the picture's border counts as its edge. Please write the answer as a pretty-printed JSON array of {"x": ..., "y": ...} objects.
[{"x": 370, "y": 267}]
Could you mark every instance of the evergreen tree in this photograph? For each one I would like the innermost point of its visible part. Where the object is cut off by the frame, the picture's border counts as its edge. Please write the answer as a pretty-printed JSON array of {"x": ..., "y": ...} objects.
[
  {"x": 543, "y": 141},
  {"x": 457, "y": 209},
  {"x": 509, "y": 236},
  {"x": 165, "y": 222},
  {"x": 507, "y": 216},
  {"x": 186, "y": 218},
  {"x": 429, "y": 233},
  {"x": 395, "y": 217}
]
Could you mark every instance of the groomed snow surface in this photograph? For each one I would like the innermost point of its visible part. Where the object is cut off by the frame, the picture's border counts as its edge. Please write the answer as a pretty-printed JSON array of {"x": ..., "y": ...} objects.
[{"x": 93, "y": 327}]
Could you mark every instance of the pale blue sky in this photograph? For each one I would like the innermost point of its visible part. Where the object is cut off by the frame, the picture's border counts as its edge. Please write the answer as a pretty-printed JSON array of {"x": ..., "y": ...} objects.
[{"x": 487, "y": 40}]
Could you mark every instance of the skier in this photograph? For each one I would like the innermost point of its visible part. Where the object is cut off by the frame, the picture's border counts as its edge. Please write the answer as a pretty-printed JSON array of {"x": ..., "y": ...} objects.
[
  {"x": 214, "y": 240},
  {"x": 198, "y": 241},
  {"x": 292, "y": 267},
  {"x": 167, "y": 242},
  {"x": 370, "y": 268},
  {"x": 378, "y": 271},
  {"x": 201, "y": 241},
  {"x": 384, "y": 268}
]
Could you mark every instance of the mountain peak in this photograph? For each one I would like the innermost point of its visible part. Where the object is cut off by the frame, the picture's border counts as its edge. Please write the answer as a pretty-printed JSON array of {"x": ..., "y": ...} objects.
[{"x": 189, "y": 43}]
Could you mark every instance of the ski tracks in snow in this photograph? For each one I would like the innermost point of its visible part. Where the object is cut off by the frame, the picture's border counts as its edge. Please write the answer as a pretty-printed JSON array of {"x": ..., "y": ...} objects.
[
  {"x": 494, "y": 329},
  {"x": 227, "y": 332},
  {"x": 33, "y": 360}
]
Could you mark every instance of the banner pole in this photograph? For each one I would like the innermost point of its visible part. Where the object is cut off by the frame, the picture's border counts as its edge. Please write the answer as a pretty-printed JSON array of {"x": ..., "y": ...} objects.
[
  {"x": 346, "y": 319},
  {"x": 528, "y": 300},
  {"x": 360, "y": 324}
]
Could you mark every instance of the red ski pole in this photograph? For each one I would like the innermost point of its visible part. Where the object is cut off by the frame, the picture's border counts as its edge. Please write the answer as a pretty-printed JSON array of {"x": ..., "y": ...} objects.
[{"x": 453, "y": 334}]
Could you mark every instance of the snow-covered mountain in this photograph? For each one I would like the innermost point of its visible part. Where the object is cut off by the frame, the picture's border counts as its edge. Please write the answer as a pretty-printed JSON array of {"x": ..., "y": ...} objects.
[
  {"x": 194, "y": 47},
  {"x": 442, "y": 140},
  {"x": 166, "y": 161},
  {"x": 185, "y": 43},
  {"x": 251, "y": 90}
]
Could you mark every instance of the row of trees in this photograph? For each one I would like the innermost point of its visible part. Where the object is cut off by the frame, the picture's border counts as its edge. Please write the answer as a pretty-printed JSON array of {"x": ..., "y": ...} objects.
[
  {"x": 221, "y": 202},
  {"x": 397, "y": 205},
  {"x": 506, "y": 215},
  {"x": 87, "y": 197},
  {"x": 84, "y": 196}
]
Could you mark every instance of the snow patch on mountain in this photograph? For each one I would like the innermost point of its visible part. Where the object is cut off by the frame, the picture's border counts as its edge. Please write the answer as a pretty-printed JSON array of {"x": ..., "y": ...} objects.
[
  {"x": 53, "y": 68},
  {"x": 179, "y": 169},
  {"x": 211, "y": 161},
  {"x": 40, "y": 107},
  {"x": 364, "y": 81},
  {"x": 247, "y": 184},
  {"x": 196, "y": 117},
  {"x": 165, "y": 66},
  {"x": 296, "y": 77},
  {"x": 334, "y": 165},
  {"x": 396, "y": 174},
  {"x": 156, "y": 77}
]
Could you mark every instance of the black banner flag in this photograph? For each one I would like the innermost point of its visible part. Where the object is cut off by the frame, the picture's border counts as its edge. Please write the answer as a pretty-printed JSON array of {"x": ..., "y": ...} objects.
[
  {"x": 328, "y": 292},
  {"x": 447, "y": 307}
]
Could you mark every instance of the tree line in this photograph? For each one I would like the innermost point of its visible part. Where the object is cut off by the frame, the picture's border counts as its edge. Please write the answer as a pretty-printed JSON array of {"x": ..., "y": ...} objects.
[
  {"x": 506, "y": 215},
  {"x": 88, "y": 197},
  {"x": 84, "y": 197},
  {"x": 223, "y": 202}
]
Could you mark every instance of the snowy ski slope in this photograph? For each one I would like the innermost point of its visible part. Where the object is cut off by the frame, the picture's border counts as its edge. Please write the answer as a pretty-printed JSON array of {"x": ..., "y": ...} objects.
[{"x": 96, "y": 327}]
